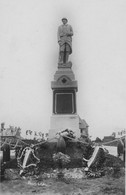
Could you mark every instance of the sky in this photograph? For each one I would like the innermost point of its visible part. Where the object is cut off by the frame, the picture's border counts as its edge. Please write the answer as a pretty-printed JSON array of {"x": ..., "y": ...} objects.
[{"x": 29, "y": 57}]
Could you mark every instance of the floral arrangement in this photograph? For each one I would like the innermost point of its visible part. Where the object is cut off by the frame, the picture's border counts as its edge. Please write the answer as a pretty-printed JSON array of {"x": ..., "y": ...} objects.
[
  {"x": 67, "y": 133},
  {"x": 61, "y": 157}
]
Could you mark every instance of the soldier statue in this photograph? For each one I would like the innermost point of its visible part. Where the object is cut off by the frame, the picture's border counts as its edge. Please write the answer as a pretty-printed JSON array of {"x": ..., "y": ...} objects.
[{"x": 65, "y": 33}]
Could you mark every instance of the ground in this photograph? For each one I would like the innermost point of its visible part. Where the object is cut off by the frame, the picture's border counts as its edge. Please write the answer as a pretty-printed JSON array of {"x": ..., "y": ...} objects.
[{"x": 67, "y": 186}]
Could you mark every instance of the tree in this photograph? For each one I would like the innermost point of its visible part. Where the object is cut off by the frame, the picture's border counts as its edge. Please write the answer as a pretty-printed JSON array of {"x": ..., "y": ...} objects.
[{"x": 114, "y": 134}]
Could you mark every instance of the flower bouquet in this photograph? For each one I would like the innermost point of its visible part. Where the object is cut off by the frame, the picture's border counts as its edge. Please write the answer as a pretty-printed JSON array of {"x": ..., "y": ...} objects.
[{"x": 61, "y": 159}]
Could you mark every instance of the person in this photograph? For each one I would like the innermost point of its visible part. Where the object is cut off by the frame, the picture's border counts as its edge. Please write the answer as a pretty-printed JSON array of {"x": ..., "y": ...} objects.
[
  {"x": 121, "y": 149},
  {"x": 65, "y": 33}
]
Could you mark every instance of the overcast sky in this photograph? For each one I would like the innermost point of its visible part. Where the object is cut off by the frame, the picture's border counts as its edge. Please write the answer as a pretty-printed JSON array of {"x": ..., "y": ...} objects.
[{"x": 29, "y": 56}]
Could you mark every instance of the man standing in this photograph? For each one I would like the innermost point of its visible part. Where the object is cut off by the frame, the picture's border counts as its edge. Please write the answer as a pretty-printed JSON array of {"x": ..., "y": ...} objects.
[{"x": 65, "y": 33}]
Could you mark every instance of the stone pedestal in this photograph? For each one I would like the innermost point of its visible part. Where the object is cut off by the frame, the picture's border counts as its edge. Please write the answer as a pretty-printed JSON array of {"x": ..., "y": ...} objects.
[
  {"x": 64, "y": 114},
  {"x": 62, "y": 122}
]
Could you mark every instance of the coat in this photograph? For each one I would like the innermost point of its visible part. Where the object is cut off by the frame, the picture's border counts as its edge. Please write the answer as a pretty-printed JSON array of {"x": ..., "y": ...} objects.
[{"x": 63, "y": 38}]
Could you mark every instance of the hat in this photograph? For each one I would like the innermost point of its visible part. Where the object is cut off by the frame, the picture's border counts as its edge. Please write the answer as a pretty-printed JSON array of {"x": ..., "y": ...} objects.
[{"x": 64, "y": 19}]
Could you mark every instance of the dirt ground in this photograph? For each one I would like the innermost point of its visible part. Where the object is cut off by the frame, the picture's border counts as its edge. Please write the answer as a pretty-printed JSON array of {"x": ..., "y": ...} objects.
[{"x": 66, "y": 186}]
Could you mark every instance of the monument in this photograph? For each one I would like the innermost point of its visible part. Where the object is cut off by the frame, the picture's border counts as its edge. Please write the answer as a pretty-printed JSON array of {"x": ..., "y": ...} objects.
[{"x": 64, "y": 87}]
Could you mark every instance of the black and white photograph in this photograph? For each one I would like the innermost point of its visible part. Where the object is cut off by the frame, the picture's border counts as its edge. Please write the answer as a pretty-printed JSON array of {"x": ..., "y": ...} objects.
[{"x": 63, "y": 97}]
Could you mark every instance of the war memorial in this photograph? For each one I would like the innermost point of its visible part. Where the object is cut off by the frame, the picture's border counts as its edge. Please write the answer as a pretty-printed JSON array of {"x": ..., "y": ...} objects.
[{"x": 64, "y": 88}]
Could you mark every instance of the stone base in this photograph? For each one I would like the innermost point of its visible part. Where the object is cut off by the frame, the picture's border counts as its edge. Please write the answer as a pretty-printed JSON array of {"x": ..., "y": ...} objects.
[
  {"x": 62, "y": 122},
  {"x": 65, "y": 65}
]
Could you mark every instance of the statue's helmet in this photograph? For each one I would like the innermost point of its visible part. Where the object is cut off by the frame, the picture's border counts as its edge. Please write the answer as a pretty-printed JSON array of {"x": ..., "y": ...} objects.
[{"x": 64, "y": 19}]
